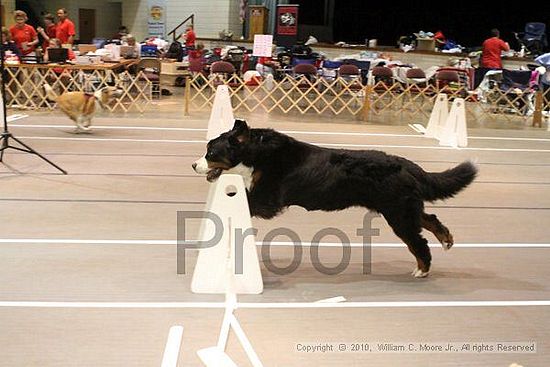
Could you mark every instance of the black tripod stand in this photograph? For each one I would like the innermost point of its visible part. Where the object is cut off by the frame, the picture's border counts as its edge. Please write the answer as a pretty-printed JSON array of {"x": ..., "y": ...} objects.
[{"x": 6, "y": 135}]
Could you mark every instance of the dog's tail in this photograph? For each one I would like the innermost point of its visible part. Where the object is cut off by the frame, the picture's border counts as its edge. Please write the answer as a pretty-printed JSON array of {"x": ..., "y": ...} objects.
[
  {"x": 446, "y": 184},
  {"x": 50, "y": 93}
]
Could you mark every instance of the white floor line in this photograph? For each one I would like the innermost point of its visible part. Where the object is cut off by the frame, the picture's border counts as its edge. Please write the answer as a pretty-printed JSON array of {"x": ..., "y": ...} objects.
[
  {"x": 336, "y": 145},
  {"x": 115, "y": 139},
  {"x": 296, "y": 132},
  {"x": 115, "y": 127},
  {"x": 367, "y": 146},
  {"x": 275, "y": 305},
  {"x": 61, "y": 241},
  {"x": 16, "y": 117}
]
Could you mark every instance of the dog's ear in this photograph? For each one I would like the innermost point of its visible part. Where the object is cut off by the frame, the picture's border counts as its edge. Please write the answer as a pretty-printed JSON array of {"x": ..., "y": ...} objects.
[
  {"x": 241, "y": 131},
  {"x": 240, "y": 125}
]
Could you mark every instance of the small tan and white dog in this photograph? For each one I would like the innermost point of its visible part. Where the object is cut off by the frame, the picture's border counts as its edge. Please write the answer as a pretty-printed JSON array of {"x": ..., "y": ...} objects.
[{"x": 81, "y": 107}]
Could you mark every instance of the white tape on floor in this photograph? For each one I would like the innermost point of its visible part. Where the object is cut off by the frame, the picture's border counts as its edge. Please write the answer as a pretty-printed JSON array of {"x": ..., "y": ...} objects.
[
  {"x": 292, "y": 132},
  {"x": 275, "y": 305},
  {"x": 65, "y": 241},
  {"x": 335, "y": 145}
]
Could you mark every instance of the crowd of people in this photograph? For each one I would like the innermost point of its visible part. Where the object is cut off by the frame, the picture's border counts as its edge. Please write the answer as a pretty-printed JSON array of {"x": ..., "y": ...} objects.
[{"x": 22, "y": 39}]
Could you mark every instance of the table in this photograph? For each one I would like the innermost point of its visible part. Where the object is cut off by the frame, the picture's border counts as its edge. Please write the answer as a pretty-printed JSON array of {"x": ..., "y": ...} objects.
[
  {"x": 171, "y": 70},
  {"x": 25, "y": 83}
]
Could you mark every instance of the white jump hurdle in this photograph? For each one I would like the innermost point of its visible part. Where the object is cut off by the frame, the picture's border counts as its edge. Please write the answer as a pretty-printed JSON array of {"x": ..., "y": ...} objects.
[
  {"x": 217, "y": 270},
  {"x": 438, "y": 117},
  {"x": 221, "y": 117},
  {"x": 448, "y": 127}
]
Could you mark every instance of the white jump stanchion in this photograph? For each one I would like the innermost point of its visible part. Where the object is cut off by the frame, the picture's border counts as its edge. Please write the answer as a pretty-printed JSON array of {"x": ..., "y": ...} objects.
[
  {"x": 227, "y": 199},
  {"x": 221, "y": 117},
  {"x": 455, "y": 133},
  {"x": 173, "y": 346},
  {"x": 216, "y": 356},
  {"x": 438, "y": 117}
]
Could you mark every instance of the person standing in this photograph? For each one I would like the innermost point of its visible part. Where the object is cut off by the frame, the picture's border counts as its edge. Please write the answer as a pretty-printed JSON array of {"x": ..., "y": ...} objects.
[
  {"x": 65, "y": 30},
  {"x": 48, "y": 32},
  {"x": 492, "y": 48},
  {"x": 190, "y": 37},
  {"x": 24, "y": 35}
]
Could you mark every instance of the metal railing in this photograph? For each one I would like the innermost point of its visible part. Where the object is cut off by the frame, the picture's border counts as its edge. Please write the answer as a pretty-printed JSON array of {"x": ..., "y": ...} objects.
[{"x": 173, "y": 31}]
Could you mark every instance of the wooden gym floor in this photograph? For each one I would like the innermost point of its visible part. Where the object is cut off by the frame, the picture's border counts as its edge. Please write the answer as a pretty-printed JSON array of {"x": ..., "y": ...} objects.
[{"x": 105, "y": 233}]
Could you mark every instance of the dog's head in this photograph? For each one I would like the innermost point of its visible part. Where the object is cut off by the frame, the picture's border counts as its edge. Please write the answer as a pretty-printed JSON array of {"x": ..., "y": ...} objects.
[
  {"x": 224, "y": 152},
  {"x": 107, "y": 94}
]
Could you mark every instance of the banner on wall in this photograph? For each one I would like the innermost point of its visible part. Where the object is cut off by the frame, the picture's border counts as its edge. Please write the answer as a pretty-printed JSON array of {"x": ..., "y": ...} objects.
[
  {"x": 286, "y": 25},
  {"x": 156, "y": 17},
  {"x": 287, "y": 20}
]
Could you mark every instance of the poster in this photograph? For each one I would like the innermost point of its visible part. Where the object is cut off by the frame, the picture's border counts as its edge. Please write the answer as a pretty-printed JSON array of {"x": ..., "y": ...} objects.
[
  {"x": 287, "y": 20},
  {"x": 263, "y": 44},
  {"x": 156, "y": 17}
]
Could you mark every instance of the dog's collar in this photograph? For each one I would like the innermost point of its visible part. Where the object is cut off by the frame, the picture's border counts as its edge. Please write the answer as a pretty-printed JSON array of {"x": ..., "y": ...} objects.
[{"x": 97, "y": 98}]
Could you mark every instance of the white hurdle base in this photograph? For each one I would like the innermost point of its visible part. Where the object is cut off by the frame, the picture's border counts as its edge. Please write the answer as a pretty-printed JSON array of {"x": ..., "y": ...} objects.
[
  {"x": 173, "y": 346},
  {"x": 455, "y": 133},
  {"x": 438, "y": 117},
  {"x": 227, "y": 199},
  {"x": 215, "y": 357}
]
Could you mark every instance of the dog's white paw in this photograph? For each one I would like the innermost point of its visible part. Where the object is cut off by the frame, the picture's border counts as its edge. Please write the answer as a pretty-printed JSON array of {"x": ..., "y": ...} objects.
[
  {"x": 80, "y": 130},
  {"x": 417, "y": 273}
]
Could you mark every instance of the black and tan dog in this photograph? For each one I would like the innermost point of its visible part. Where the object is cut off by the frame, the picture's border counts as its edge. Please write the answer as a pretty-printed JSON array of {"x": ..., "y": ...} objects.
[
  {"x": 280, "y": 171},
  {"x": 81, "y": 107}
]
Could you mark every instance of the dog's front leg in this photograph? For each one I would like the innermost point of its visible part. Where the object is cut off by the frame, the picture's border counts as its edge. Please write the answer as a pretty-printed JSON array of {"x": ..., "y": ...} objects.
[{"x": 82, "y": 124}]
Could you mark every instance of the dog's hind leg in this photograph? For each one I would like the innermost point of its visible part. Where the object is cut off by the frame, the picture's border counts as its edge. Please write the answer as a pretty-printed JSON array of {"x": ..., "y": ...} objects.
[
  {"x": 406, "y": 225},
  {"x": 82, "y": 124},
  {"x": 442, "y": 233},
  {"x": 87, "y": 121}
]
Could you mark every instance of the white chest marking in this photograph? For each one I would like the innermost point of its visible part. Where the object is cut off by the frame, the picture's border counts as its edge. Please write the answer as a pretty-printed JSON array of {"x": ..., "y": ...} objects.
[{"x": 245, "y": 172}]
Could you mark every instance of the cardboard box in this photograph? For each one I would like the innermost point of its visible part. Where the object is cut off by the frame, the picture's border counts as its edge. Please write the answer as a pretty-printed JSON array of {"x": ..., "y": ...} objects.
[{"x": 425, "y": 44}]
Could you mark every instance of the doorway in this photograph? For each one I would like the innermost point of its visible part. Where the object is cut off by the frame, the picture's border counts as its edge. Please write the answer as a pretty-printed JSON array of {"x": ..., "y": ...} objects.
[{"x": 86, "y": 21}]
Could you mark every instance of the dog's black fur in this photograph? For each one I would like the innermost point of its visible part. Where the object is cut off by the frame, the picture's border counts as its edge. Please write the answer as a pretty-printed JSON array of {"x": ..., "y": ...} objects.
[{"x": 290, "y": 172}]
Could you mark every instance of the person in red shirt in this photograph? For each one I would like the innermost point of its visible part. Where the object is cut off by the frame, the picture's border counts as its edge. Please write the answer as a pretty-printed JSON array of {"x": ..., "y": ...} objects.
[
  {"x": 190, "y": 37},
  {"x": 64, "y": 31},
  {"x": 48, "y": 32},
  {"x": 439, "y": 39},
  {"x": 492, "y": 47},
  {"x": 24, "y": 35}
]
